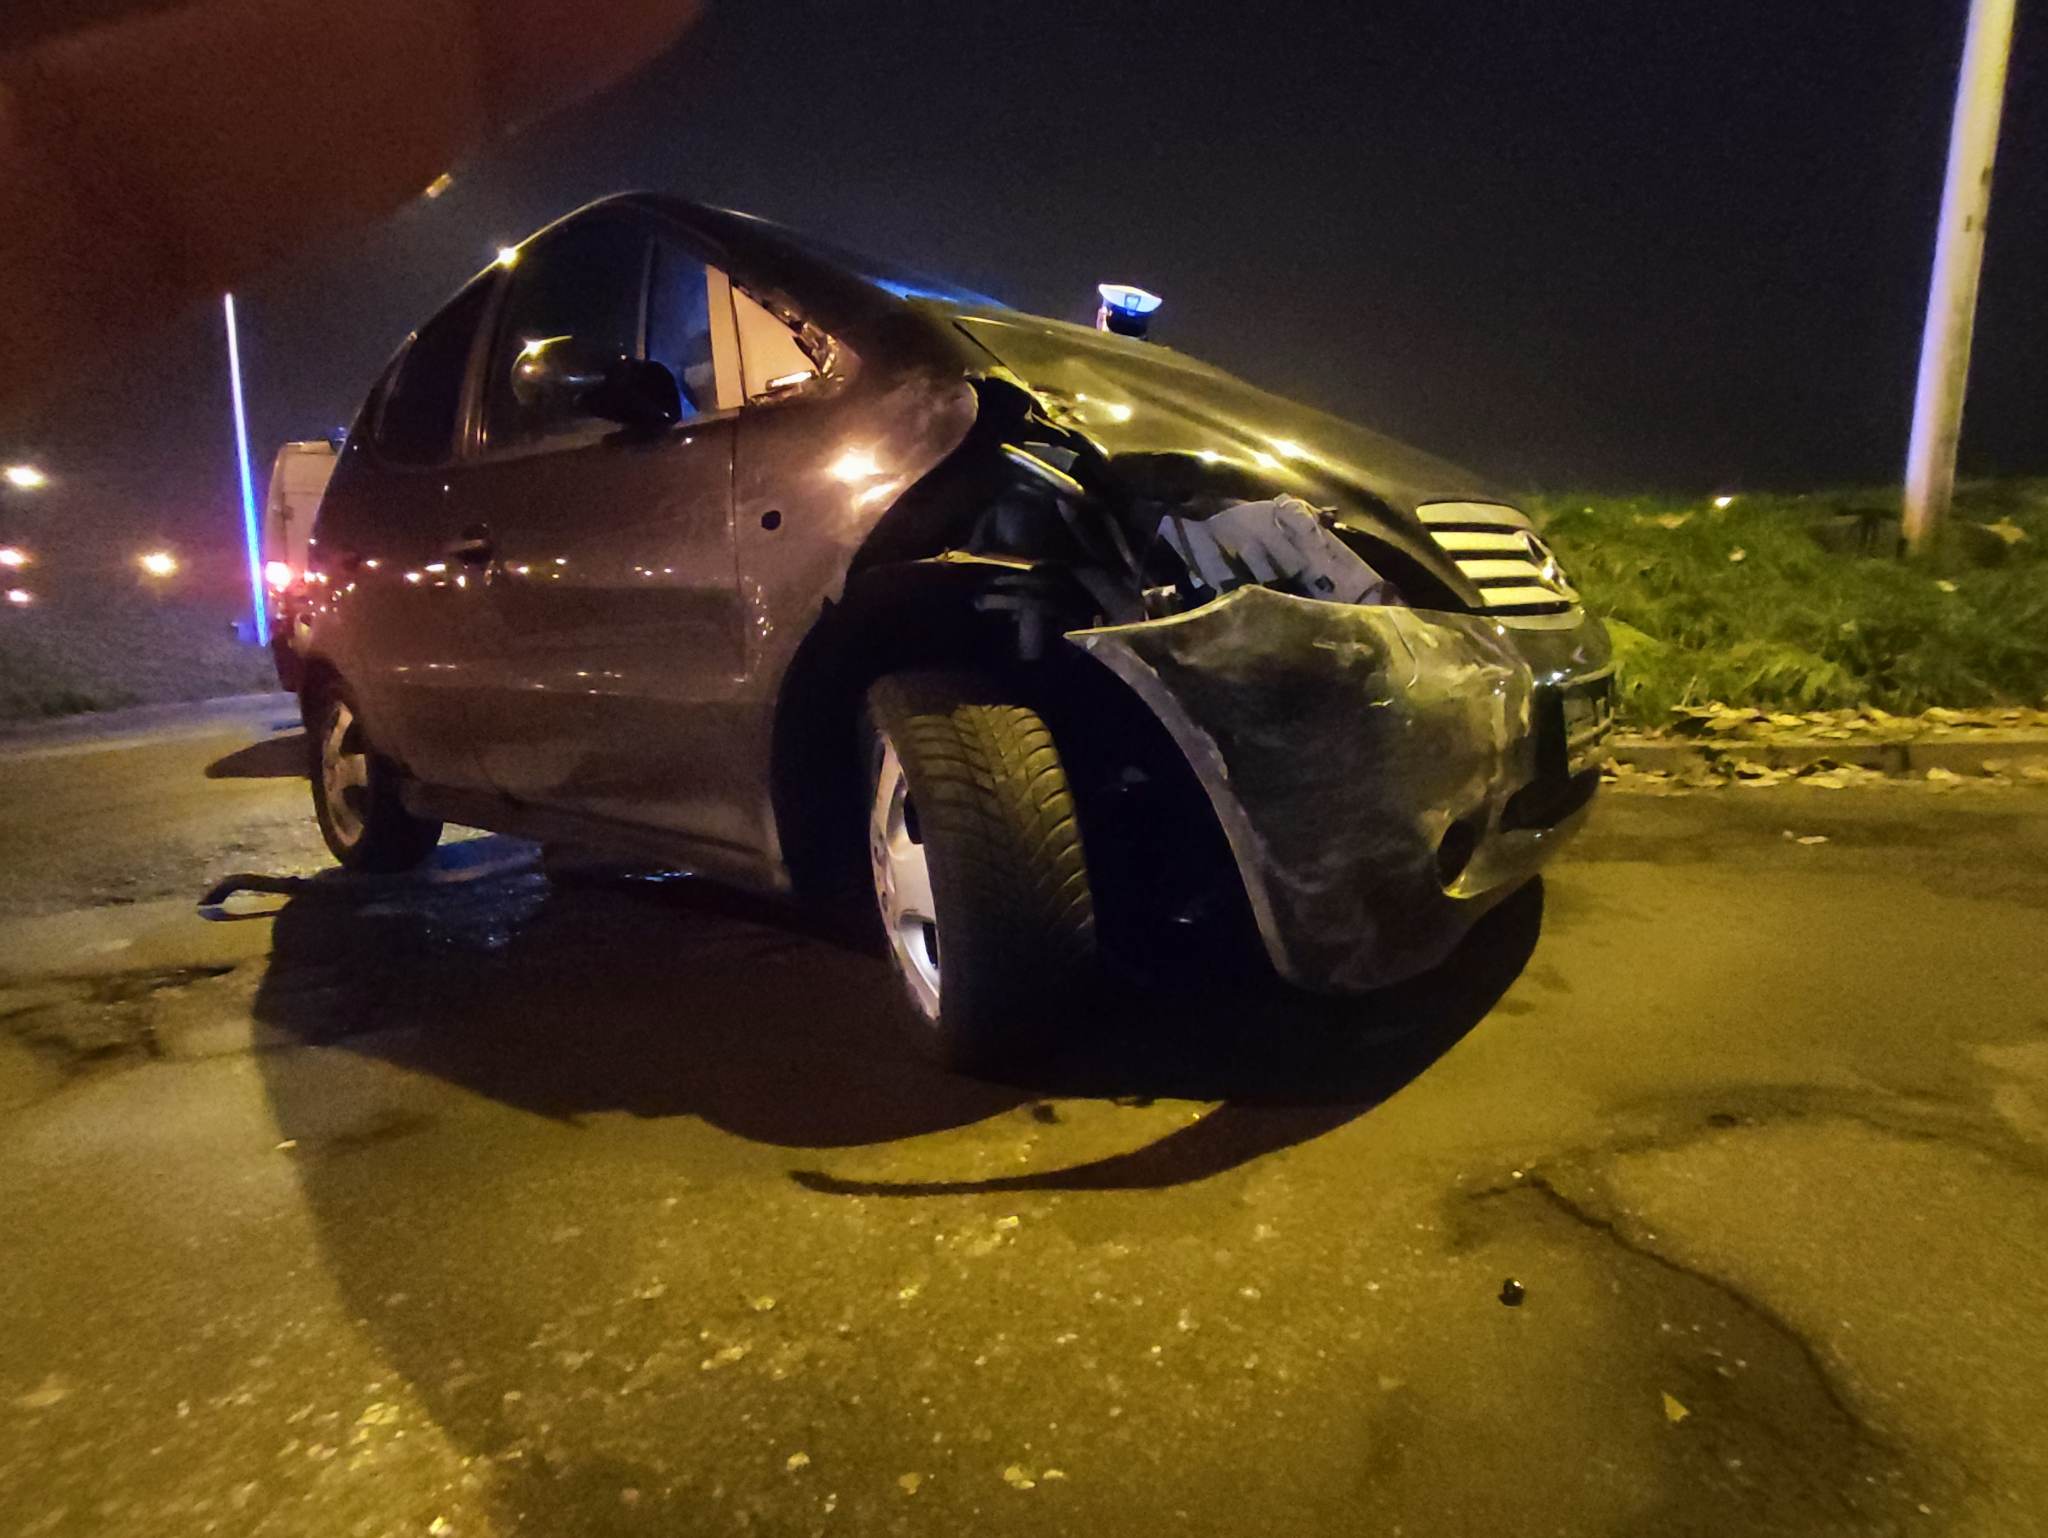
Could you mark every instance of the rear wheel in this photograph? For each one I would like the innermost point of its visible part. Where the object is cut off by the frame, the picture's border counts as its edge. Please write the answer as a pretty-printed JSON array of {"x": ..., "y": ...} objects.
[
  {"x": 980, "y": 879},
  {"x": 355, "y": 793}
]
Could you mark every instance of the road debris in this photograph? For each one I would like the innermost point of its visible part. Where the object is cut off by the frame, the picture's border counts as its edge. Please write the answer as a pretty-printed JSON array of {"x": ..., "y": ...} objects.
[
  {"x": 52, "y": 1390},
  {"x": 1512, "y": 1293},
  {"x": 1674, "y": 1412}
]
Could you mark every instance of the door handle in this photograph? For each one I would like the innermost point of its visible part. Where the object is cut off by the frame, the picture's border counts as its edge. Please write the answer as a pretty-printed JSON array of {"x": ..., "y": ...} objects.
[{"x": 473, "y": 546}]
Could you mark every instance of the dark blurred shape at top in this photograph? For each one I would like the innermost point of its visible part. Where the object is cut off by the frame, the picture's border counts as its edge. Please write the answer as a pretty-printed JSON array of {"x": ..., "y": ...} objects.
[{"x": 153, "y": 154}]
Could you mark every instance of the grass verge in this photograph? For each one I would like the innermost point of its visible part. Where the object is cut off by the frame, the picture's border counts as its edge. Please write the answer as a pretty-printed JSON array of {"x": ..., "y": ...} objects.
[
  {"x": 99, "y": 649},
  {"x": 1799, "y": 603}
]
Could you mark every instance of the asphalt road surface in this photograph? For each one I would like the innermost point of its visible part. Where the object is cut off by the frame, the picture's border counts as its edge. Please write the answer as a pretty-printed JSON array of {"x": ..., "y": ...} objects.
[{"x": 484, "y": 1205}]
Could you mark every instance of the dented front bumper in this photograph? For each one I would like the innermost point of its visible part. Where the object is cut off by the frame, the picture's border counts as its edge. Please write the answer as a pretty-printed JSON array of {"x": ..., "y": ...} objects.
[{"x": 1383, "y": 775}]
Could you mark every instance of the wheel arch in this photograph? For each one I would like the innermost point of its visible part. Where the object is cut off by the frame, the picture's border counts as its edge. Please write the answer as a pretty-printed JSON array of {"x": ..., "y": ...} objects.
[
  {"x": 890, "y": 618},
  {"x": 1147, "y": 858}
]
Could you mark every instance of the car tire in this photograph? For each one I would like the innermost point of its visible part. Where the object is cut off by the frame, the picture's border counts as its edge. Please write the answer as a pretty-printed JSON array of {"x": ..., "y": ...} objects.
[
  {"x": 971, "y": 820},
  {"x": 356, "y": 792}
]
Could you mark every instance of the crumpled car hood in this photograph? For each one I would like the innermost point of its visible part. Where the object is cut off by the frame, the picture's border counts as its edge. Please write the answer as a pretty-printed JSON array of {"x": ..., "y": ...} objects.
[{"x": 1137, "y": 398}]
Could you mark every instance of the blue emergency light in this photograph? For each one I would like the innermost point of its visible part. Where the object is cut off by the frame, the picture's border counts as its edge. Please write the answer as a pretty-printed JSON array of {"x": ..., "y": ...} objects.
[{"x": 1126, "y": 310}]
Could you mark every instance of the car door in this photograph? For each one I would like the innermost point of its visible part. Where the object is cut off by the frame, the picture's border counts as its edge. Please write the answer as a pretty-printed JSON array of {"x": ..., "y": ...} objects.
[
  {"x": 405, "y": 625},
  {"x": 608, "y": 552}
]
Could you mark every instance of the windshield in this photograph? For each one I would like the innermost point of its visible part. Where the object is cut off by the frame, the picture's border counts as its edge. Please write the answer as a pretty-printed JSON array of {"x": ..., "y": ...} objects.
[{"x": 903, "y": 282}]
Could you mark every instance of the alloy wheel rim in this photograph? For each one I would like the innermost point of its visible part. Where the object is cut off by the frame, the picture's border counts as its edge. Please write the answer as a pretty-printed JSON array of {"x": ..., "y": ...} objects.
[
  {"x": 903, "y": 882},
  {"x": 344, "y": 774}
]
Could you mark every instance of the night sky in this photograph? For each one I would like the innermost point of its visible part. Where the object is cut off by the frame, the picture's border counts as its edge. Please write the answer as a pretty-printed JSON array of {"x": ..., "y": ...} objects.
[{"x": 1678, "y": 245}]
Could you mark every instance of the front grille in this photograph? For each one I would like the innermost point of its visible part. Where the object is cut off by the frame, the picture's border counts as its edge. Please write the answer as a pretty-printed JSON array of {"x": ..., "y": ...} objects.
[{"x": 1502, "y": 555}]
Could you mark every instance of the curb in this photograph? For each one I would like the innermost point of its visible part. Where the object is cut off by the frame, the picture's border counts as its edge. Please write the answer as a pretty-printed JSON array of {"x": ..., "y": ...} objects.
[{"x": 1976, "y": 755}]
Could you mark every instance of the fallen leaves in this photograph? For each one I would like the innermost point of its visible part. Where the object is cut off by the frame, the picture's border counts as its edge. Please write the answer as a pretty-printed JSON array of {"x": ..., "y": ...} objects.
[
  {"x": 1866, "y": 721},
  {"x": 1674, "y": 1412}
]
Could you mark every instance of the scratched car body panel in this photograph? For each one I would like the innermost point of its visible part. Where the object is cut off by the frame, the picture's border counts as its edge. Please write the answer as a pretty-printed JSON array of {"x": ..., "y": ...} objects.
[{"x": 559, "y": 612}]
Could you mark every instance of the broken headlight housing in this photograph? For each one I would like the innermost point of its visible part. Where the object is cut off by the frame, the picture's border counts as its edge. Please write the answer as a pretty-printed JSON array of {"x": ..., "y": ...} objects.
[{"x": 1281, "y": 543}]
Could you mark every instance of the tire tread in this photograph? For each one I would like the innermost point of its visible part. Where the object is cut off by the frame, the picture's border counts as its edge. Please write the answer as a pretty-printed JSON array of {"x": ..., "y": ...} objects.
[{"x": 1008, "y": 867}]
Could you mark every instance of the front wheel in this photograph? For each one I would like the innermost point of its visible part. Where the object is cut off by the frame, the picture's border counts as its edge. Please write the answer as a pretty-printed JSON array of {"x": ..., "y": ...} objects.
[
  {"x": 980, "y": 879},
  {"x": 355, "y": 793}
]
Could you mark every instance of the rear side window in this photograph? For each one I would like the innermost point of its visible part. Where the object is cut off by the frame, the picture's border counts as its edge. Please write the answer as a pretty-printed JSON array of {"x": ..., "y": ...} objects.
[{"x": 423, "y": 402}]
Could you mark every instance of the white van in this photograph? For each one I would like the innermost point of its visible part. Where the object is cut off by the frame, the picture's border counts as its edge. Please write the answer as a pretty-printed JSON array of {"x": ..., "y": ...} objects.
[{"x": 298, "y": 478}]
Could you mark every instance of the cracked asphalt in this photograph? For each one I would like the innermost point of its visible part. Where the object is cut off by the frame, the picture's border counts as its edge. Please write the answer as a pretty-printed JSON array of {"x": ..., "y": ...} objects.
[{"x": 489, "y": 1204}]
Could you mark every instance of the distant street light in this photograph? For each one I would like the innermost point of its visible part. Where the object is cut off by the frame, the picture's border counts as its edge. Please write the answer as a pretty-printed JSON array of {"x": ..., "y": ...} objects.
[
  {"x": 158, "y": 563},
  {"x": 18, "y": 596},
  {"x": 13, "y": 557},
  {"x": 1958, "y": 263},
  {"x": 25, "y": 477}
]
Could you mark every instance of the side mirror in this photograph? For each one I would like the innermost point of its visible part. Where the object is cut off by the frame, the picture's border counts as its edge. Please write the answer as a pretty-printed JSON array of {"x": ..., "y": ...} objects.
[
  {"x": 557, "y": 378},
  {"x": 637, "y": 393},
  {"x": 552, "y": 374}
]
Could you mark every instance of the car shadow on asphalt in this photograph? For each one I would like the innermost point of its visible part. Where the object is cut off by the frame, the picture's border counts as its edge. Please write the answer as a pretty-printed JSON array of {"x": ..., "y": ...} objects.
[
  {"x": 282, "y": 757},
  {"x": 668, "y": 996}
]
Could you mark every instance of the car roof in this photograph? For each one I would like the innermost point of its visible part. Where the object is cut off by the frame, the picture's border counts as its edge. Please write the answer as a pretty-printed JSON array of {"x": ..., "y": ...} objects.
[{"x": 748, "y": 240}]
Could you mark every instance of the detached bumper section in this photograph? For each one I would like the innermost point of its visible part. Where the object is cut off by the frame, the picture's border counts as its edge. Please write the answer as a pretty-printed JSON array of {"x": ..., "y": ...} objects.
[{"x": 1384, "y": 775}]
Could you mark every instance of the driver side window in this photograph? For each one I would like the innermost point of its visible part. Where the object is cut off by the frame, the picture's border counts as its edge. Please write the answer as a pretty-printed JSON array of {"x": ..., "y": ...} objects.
[
  {"x": 679, "y": 324},
  {"x": 574, "y": 306}
]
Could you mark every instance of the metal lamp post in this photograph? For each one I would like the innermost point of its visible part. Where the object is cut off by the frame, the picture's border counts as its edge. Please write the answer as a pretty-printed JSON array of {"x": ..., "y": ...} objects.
[{"x": 1958, "y": 261}]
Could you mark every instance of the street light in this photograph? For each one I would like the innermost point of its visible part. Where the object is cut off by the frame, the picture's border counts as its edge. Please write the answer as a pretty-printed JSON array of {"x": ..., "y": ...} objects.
[
  {"x": 13, "y": 557},
  {"x": 158, "y": 563},
  {"x": 25, "y": 477},
  {"x": 20, "y": 596}
]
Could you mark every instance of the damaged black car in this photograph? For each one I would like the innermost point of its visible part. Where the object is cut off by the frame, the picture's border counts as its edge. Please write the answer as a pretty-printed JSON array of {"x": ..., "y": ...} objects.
[{"x": 678, "y": 535}]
